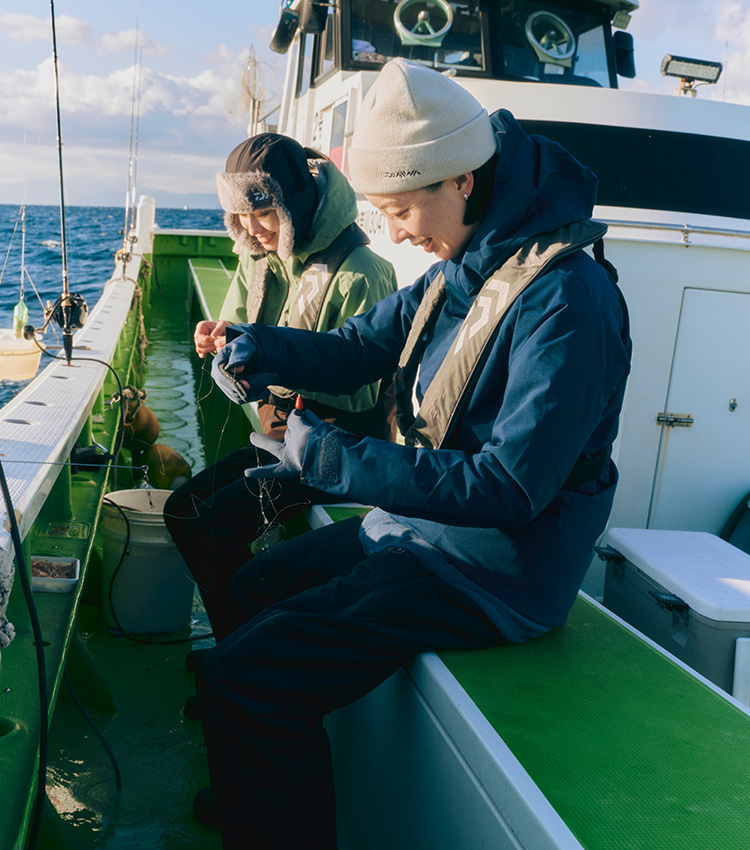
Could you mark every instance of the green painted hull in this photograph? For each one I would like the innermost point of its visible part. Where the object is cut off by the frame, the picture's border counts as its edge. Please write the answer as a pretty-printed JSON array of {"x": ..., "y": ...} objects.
[{"x": 133, "y": 692}]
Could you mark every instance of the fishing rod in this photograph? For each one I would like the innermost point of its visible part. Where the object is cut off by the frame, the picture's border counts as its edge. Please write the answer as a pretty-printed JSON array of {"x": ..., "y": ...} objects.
[
  {"x": 70, "y": 310},
  {"x": 129, "y": 237}
]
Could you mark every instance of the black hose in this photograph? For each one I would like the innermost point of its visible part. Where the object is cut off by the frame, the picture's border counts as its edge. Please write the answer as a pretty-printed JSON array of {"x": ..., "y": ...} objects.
[
  {"x": 147, "y": 639},
  {"x": 41, "y": 789}
]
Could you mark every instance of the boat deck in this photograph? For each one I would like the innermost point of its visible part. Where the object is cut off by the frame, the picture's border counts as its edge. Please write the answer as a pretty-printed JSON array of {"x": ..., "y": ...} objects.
[
  {"x": 135, "y": 694},
  {"x": 589, "y": 737}
]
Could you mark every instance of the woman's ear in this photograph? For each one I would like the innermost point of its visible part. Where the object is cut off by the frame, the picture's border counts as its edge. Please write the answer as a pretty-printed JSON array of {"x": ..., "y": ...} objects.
[{"x": 465, "y": 182}]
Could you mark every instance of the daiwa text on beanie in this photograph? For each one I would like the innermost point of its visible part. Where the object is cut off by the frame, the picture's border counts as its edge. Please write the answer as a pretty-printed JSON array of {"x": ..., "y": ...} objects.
[{"x": 416, "y": 127}]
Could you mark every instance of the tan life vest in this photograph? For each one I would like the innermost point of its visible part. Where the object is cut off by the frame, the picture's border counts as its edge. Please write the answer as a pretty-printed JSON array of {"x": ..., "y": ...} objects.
[
  {"x": 315, "y": 281},
  {"x": 444, "y": 399}
]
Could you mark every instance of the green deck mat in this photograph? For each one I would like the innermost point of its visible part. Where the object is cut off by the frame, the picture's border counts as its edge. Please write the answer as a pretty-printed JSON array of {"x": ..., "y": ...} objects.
[
  {"x": 632, "y": 752},
  {"x": 338, "y": 513},
  {"x": 213, "y": 278}
]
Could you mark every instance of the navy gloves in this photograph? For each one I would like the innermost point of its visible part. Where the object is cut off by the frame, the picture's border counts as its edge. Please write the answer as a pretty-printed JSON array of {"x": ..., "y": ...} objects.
[
  {"x": 291, "y": 453},
  {"x": 245, "y": 386}
]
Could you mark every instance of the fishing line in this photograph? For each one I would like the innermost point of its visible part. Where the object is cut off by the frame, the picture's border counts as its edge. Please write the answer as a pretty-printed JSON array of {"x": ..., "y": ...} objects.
[
  {"x": 36, "y": 628},
  {"x": 266, "y": 497},
  {"x": 23, "y": 201},
  {"x": 10, "y": 245}
]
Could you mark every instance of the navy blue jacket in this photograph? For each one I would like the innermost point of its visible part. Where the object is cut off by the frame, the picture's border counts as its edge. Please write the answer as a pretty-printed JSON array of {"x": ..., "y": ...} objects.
[{"x": 492, "y": 504}]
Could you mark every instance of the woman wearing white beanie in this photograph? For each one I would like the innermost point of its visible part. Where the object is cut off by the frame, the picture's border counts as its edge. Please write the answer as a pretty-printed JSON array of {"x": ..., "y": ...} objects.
[{"x": 516, "y": 342}]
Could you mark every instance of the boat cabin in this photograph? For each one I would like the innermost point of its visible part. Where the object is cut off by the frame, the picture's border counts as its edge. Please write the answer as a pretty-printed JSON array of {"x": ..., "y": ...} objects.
[
  {"x": 556, "y": 66},
  {"x": 568, "y": 43}
]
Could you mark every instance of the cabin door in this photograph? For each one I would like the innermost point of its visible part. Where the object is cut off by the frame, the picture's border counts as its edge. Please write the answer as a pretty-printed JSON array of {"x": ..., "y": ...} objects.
[{"x": 704, "y": 467}]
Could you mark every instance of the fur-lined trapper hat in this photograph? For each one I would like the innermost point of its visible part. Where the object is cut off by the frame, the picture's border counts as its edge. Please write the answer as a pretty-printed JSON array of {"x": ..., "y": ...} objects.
[{"x": 268, "y": 170}]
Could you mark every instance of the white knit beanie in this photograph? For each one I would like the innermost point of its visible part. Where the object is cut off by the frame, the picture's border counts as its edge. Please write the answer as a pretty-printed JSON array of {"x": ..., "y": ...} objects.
[{"x": 416, "y": 127}]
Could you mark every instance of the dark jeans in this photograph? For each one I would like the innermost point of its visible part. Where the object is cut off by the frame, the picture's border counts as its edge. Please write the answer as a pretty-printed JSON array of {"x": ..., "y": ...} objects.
[
  {"x": 323, "y": 625},
  {"x": 216, "y": 516}
]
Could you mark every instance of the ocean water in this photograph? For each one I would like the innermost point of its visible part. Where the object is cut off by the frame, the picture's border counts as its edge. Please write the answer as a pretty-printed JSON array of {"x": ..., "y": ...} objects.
[{"x": 94, "y": 235}]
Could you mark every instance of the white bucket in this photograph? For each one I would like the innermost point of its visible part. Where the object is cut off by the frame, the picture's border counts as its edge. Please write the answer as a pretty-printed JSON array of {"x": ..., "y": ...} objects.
[
  {"x": 153, "y": 589},
  {"x": 19, "y": 358}
]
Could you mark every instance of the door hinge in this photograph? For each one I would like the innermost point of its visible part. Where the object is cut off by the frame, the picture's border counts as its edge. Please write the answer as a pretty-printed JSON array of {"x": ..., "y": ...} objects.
[{"x": 672, "y": 420}]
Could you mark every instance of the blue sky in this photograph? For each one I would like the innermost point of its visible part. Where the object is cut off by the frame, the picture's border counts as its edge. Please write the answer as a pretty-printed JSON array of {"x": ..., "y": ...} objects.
[{"x": 192, "y": 53}]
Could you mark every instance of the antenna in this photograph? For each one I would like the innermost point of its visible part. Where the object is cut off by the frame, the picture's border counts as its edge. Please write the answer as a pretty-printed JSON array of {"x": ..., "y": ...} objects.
[
  {"x": 256, "y": 84},
  {"x": 70, "y": 310}
]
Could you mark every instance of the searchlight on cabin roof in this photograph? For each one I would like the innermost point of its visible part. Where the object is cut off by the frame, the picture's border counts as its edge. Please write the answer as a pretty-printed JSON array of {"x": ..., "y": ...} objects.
[{"x": 690, "y": 71}]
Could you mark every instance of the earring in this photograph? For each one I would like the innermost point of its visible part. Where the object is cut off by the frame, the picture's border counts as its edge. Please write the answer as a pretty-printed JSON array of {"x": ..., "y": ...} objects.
[{"x": 466, "y": 197}]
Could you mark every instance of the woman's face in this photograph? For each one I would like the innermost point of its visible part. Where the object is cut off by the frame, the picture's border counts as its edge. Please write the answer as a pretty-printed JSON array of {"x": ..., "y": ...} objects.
[
  {"x": 433, "y": 221},
  {"x": 264, "y": 226}
]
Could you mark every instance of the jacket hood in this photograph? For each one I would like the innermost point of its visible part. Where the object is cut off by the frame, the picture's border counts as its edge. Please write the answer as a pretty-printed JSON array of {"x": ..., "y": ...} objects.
[
  {"x": 337, "y": 208},
  {"x": 538, "y": 187}
]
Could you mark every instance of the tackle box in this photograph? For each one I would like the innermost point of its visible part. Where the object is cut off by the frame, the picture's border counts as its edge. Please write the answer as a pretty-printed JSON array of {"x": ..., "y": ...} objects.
[{"x": 689, "y": 591}]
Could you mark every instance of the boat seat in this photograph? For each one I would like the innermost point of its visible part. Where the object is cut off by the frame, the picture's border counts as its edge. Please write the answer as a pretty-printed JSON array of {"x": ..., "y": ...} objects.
[
  {"x": 590, "y": 736},
  {"x": 211, "y": 278}
]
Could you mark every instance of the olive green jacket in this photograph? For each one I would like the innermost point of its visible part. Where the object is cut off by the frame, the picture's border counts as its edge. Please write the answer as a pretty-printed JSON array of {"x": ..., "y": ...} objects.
[{"x": 362, "y": 279}]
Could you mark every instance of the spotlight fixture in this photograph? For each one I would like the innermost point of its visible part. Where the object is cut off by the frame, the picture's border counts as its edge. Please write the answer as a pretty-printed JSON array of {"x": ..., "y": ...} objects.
[{"x": 690, "y": 71}]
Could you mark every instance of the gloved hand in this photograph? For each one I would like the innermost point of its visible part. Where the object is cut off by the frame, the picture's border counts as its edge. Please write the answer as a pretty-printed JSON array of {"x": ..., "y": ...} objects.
[
  {"x": 291, "y": 452},
  {"x": 232, "y": 369}
]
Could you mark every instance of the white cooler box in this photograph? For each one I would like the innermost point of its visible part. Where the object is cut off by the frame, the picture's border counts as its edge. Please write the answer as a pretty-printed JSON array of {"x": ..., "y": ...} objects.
[{"x": 689, "y": 591}]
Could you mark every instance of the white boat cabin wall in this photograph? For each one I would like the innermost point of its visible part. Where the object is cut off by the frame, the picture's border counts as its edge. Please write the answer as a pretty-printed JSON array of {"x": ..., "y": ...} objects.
[{"x": 670, "y": 170}]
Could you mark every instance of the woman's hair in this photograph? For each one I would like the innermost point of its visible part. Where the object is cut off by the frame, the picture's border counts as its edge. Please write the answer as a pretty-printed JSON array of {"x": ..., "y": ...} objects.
[{"x": 479, "y": 199}]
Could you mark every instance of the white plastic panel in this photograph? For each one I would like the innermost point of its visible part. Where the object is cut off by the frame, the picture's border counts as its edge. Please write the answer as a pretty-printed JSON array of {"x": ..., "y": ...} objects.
[{"x": 708, "y": 573}]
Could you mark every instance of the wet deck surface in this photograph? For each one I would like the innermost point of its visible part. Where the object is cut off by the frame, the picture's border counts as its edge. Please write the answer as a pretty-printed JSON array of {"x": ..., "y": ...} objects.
[
  {"x": 135, "y": 692},
  {"x": 161, "y": 755}
]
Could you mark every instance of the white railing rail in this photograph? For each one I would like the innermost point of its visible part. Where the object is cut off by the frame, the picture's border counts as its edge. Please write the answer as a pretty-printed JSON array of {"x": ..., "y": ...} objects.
[{"x": 39, "y": 427}]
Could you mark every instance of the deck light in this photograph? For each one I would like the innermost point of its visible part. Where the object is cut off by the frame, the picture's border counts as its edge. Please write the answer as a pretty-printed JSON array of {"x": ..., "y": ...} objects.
[{"x": 690, "y": 71}]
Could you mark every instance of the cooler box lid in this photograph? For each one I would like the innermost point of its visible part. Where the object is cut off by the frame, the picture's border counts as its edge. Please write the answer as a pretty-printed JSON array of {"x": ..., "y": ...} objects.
[{"x": 708, "y": 573}]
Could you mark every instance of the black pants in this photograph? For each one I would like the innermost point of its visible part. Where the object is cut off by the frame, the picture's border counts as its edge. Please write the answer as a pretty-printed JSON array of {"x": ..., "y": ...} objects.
[
  {"x": 217, "y": 515},
  {"x": 323, "y": 625}
]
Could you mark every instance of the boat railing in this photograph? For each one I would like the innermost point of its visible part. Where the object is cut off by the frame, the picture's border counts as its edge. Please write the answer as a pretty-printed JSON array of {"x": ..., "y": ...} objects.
[
  {"x": 40, "y": 426},
  {"x": 685, "y": 230}
]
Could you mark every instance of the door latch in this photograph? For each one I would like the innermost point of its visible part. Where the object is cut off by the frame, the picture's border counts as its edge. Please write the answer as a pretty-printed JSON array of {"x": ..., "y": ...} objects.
[{"x": 675, "y": 420}]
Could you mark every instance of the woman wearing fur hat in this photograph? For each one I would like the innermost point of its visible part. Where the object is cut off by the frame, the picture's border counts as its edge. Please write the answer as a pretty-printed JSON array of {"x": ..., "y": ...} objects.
[
  {"x": 484, "y": 522},
  {"x": 303, "y": 263}
]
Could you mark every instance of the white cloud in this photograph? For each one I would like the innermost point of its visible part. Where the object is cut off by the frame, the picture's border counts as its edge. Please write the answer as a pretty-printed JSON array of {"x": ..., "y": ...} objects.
[
  {"x": 24, "y": 95},
  {"x": 29, "y": 28},
  {"x": 733, "y": 32},
  {"x": 126, "y": 41}
]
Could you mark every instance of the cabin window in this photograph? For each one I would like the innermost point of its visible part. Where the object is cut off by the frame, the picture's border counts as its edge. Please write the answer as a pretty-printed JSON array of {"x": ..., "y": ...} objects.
[
  {"x": 326, "y": 49},
  {"x": 305, "y": 66},
  {"x": 437, "y": 33},
  {"x": 288, "y": 102},
  {"x": 550, "y": 44},
  {"x": 338, "y": 132}
]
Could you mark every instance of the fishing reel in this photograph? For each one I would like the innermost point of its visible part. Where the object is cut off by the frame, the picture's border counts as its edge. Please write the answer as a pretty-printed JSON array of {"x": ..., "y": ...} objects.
[{"x": 69, "y": 311}]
